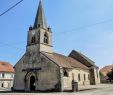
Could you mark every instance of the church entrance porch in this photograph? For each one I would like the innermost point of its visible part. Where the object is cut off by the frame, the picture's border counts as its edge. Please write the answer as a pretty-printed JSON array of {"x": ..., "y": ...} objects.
[
  {"x": 31, "y": 78},
  {"x": 32, "y": 83}
]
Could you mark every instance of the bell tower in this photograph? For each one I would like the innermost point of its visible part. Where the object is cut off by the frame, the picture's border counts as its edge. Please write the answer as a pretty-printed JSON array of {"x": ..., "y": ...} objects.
[{"x": 40, "y": 35}]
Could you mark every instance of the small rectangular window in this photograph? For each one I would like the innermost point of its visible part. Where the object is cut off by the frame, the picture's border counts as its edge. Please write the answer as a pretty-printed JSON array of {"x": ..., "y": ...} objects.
[
  {"x": 88, "y": 77},
  {"x": 73, "y": 76},
  {"x": 84, "y": 77},
  {"x": 97, "y": 73},
  {"x": 78, "y": 77},
  {"x": 3, "y": 75},
  {"x": 12, "y": 76}
]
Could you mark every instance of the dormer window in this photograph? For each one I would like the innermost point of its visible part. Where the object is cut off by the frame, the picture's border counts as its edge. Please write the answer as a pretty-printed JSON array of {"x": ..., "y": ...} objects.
[{"x": 46, "y": 38}]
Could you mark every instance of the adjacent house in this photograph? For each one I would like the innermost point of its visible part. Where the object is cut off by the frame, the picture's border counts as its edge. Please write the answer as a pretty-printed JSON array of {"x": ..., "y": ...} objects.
[{"x": 6, "y": 75}]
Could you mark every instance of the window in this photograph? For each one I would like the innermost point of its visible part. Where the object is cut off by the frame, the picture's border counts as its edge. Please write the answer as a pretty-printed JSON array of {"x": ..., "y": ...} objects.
[
  {"x": 78, "y": 77},
  {"x": 97, "y": 73},
  {"x": 46, "y": 38},
  {"x": 38, "y": 25},
  {"x": 2, "y": 84},
  {"x": 88, "y": 77},
  {"x": 3, "y": 75},
  {"x": 12, "y": 75},
  {"x": 84, "y": 77},
  {"x": 66, "y": 73},
  {"x": 73, "y": 76},
  {"x": 33, "y": 39}
]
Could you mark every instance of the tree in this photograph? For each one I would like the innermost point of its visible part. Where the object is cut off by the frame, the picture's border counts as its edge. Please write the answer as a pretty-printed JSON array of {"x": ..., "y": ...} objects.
[{"x": 110, "y": 75}]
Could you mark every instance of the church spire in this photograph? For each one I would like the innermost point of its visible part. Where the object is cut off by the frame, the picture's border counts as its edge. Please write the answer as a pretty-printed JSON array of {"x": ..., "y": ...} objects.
[{"x": 40, "y": 20}]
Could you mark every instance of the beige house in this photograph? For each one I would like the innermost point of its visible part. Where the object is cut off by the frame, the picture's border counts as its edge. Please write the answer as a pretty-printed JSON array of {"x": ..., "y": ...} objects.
[
  {"x": 6, "y": 75},
  {"x": 41, "y": 69}
]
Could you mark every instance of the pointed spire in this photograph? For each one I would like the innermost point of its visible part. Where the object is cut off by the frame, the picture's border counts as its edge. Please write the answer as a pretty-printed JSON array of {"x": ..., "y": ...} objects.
[{"x": 40, "y": 20}]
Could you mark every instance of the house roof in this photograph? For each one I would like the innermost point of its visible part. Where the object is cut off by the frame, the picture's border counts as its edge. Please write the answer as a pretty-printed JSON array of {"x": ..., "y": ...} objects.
[
  {"x": 6, "y": 67},
  {"x": 64, "y": 61},
  {"x": 106, "y": 69},
  {"x": 82, "y": 58}
]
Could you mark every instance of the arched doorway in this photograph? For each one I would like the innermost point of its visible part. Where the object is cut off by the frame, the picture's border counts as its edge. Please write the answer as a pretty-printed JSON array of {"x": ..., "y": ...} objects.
[{"x": 32, "y": 83}]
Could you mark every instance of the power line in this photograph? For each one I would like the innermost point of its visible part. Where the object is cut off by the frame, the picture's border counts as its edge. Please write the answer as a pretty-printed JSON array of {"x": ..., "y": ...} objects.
[
  {"x": 79, "y": 28},
  {"x": 8, "y": 45},
  {"x": 7, "y": 55},
  {"x": 11, "y": 8},
  {"x": 87, "y": 26}
]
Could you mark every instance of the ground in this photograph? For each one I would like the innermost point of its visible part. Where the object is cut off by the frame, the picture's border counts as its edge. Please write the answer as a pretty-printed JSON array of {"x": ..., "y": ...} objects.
[{"x": 102, "y": 89}]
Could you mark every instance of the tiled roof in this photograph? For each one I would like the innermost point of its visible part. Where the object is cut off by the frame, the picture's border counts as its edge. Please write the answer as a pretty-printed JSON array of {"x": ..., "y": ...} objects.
[
  {"x": 64, "y": 61},
  {"x": 6, "y": 67},
  {"x": 85, "y": 57},
  {"x": 82, "y": 58},
  {"x": 106, "y": 69}
]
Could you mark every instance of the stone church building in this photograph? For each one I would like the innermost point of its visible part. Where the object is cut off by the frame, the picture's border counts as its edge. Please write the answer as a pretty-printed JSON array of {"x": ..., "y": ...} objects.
[{"x": 41, "y": 69}]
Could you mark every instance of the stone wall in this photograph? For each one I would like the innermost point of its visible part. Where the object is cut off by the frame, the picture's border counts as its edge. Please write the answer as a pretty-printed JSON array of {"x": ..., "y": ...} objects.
[
  {"x": 46, "y": 47},
  {"x": 97, "y": 75},
  {"x": 48, "y": 76},
  {"x": 19, "y": 75},
  {"x": 75, "y": 72}
]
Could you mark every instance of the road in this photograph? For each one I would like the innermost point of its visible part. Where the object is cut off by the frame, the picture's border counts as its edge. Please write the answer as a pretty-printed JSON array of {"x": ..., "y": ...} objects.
[{"x": 100, "y": 90}]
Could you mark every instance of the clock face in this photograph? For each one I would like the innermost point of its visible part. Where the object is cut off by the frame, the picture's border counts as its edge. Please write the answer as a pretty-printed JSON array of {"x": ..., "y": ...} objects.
[{"x": 33, "y": 32}]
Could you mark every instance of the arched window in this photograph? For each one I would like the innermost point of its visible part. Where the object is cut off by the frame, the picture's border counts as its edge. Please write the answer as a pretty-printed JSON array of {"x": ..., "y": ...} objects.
[
  {"x": 46, "y": 39},
  {"x": 33, "y": 39},
  {"x": 66, "y": 73}
]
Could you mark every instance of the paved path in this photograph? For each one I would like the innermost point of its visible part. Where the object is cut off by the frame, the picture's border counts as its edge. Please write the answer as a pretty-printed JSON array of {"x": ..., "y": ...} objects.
[{"x": 90, "y": 90}]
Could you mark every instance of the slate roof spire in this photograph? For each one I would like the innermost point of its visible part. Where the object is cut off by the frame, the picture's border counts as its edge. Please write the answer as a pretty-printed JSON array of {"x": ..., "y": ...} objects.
[{"x": 40, "y": 20}]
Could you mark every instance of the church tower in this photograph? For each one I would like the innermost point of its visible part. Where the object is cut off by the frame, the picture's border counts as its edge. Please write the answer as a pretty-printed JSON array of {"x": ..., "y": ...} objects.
[{"x": 40, "y": 35}]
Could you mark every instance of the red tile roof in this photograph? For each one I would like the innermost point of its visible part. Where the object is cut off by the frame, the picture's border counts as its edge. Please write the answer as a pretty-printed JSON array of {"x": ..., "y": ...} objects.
[
  {"x": 106, "y": 69},
  {"x": 6, "y": 67},
  {"x": 64, "y": 61}
]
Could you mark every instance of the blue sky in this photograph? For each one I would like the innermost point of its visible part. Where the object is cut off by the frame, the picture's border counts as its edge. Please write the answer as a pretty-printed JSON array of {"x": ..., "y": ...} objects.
[{"x": 64, "y": 17}]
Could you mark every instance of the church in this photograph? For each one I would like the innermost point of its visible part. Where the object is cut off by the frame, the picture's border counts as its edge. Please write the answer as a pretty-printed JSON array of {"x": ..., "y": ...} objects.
[{"x": 41, "y": 69}]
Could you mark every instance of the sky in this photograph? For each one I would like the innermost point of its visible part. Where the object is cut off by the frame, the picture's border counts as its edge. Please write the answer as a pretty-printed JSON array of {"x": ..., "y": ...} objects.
[{"x": 82, "y": 25}]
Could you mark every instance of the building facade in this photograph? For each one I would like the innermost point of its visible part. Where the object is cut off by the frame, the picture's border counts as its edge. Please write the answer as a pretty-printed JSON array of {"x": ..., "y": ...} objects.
[
  {"x": 6, "y": 75},
  {"x": 41, "y": 69}
]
